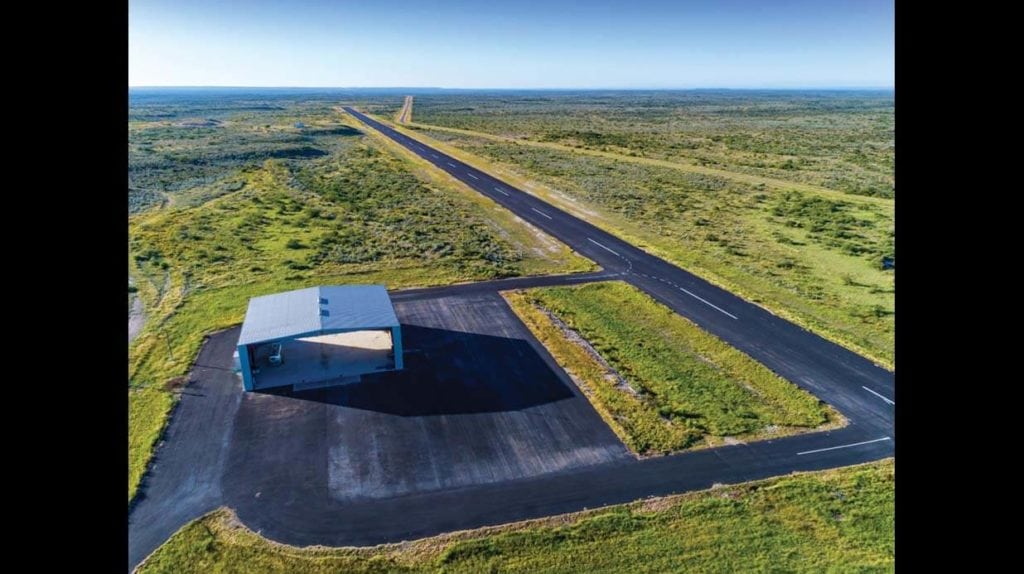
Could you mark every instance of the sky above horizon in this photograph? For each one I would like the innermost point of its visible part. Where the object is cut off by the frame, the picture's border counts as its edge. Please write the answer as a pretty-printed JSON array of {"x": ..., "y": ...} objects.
[{"x": 512, "y": 44}]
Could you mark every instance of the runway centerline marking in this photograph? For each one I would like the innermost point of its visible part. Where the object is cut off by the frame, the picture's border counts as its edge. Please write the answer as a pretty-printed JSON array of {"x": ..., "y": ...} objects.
[
  {"x": 842, "y": 446},
  {"x": 435, "y": 155},
  {"x": 605, "y": 247},
  {"x": 499, "y": 190},
  {"x": 452, "y": 164},
  {"x": 891, "y": 402},
  {"x": 549, "y": 217},
  {"x": 472, "y": 176},
  {"x": 706, "y": 302}
]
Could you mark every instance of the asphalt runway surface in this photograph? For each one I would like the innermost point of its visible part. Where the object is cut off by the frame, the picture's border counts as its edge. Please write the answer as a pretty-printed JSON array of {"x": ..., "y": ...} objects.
[
  {"x": 862, "y": 390},
  {"x": 495, "y": 432}
]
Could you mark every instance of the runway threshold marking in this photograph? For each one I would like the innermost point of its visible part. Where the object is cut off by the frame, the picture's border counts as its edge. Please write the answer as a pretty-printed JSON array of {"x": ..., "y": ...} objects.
[
  {"x": 605, "y": 247},
  {"x": 843, "y": 446},
  {"x": 891, "y": 402},
  {"x": 549, "y": 217}
]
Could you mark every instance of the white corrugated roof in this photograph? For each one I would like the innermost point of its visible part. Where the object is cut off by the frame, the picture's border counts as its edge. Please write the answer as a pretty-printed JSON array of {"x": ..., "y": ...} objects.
[{"x": 316, "y": 310}]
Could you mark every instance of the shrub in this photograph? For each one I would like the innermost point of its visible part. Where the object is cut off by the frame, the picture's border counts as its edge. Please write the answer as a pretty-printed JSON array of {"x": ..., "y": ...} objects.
[{"x": 175, "y": 384}]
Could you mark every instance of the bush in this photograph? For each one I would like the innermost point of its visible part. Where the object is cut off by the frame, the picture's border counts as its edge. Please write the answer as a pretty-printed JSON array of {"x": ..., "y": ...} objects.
[{"x": 175, "y": 384}]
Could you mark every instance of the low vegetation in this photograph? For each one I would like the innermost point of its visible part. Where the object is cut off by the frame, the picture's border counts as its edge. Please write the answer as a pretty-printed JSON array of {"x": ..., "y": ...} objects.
[
  {"x": 239, "y": 219},
  {"x": 838, "y": 140},
  {"x": 835, "y": 520},
  {"x": 661, "y": 382},
  {"x": 814, "y": 257}
]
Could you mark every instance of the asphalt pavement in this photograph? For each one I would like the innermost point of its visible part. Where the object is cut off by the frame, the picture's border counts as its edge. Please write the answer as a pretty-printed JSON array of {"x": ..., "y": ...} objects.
[
  {"x": 469, "y": 440},
  {"x": 860, "y": 389},
  {"x": 183, "y": 481},
  {"x": 199, "y": 466}
]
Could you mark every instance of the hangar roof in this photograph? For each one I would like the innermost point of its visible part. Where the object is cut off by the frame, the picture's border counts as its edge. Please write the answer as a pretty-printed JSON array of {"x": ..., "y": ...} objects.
[{"x": 317, "y": 310}]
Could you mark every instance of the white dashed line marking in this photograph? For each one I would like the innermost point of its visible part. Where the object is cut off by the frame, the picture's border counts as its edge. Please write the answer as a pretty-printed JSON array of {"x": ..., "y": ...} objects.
[
  {"x": 472, "y": 176},
  {"x": 891, "y": 402},
  {"x": 603, "y": 247},
  {"x": 708, "y": 303},
  {"x": 843, "y": 446},
  {"x": 549, "y": 217},
  {"x": 451, "y": 164},
  {"x": 499, "y": 190}
]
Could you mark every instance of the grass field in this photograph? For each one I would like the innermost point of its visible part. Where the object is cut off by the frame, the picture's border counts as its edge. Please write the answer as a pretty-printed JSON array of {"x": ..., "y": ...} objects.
[
  {"x": 813, "y": 256},
  {"x": 661, "y": 382},
  {"x": 838, "y": 140},
  {"x": 238, "y": 217},
  {"x": 835, "y": 520}
]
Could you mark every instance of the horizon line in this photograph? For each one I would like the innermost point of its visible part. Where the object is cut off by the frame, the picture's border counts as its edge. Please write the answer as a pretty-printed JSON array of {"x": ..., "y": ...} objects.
[{"x": 651, "y": 88}]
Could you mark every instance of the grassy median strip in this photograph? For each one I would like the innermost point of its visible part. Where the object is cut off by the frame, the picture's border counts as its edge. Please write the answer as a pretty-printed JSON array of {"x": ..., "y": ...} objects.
[
  {"x": 660, "y": 381},
  {"x": 842, "y": 519}
]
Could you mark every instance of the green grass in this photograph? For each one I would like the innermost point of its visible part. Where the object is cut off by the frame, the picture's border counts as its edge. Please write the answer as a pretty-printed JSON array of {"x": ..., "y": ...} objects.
[
  {"x": 841, "y": 140},
  {"x": 685, "y": 388},
  {"x": 835, "y": 520},
  {"x": 543, "y": 253},
  {"x": 147, "y": 411},
  {"x": 359, "y": 214},
  {"x": 811, "y": 257},
  {"x": 682, "y": 164}
]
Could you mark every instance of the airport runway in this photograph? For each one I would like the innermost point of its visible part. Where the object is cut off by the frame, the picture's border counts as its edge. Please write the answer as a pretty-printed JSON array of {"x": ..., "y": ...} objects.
[
  {"x": 861, "y": 390},
  {"x": 200, "y": 468}
]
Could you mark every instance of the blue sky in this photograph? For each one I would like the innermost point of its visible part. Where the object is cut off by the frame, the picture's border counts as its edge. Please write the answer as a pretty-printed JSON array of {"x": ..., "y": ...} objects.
[{"x": 512, "y": 43}]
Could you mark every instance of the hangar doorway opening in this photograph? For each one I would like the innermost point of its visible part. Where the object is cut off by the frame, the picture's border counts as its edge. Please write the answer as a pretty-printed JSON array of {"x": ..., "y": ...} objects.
[{"x": 318, "y": 337}]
